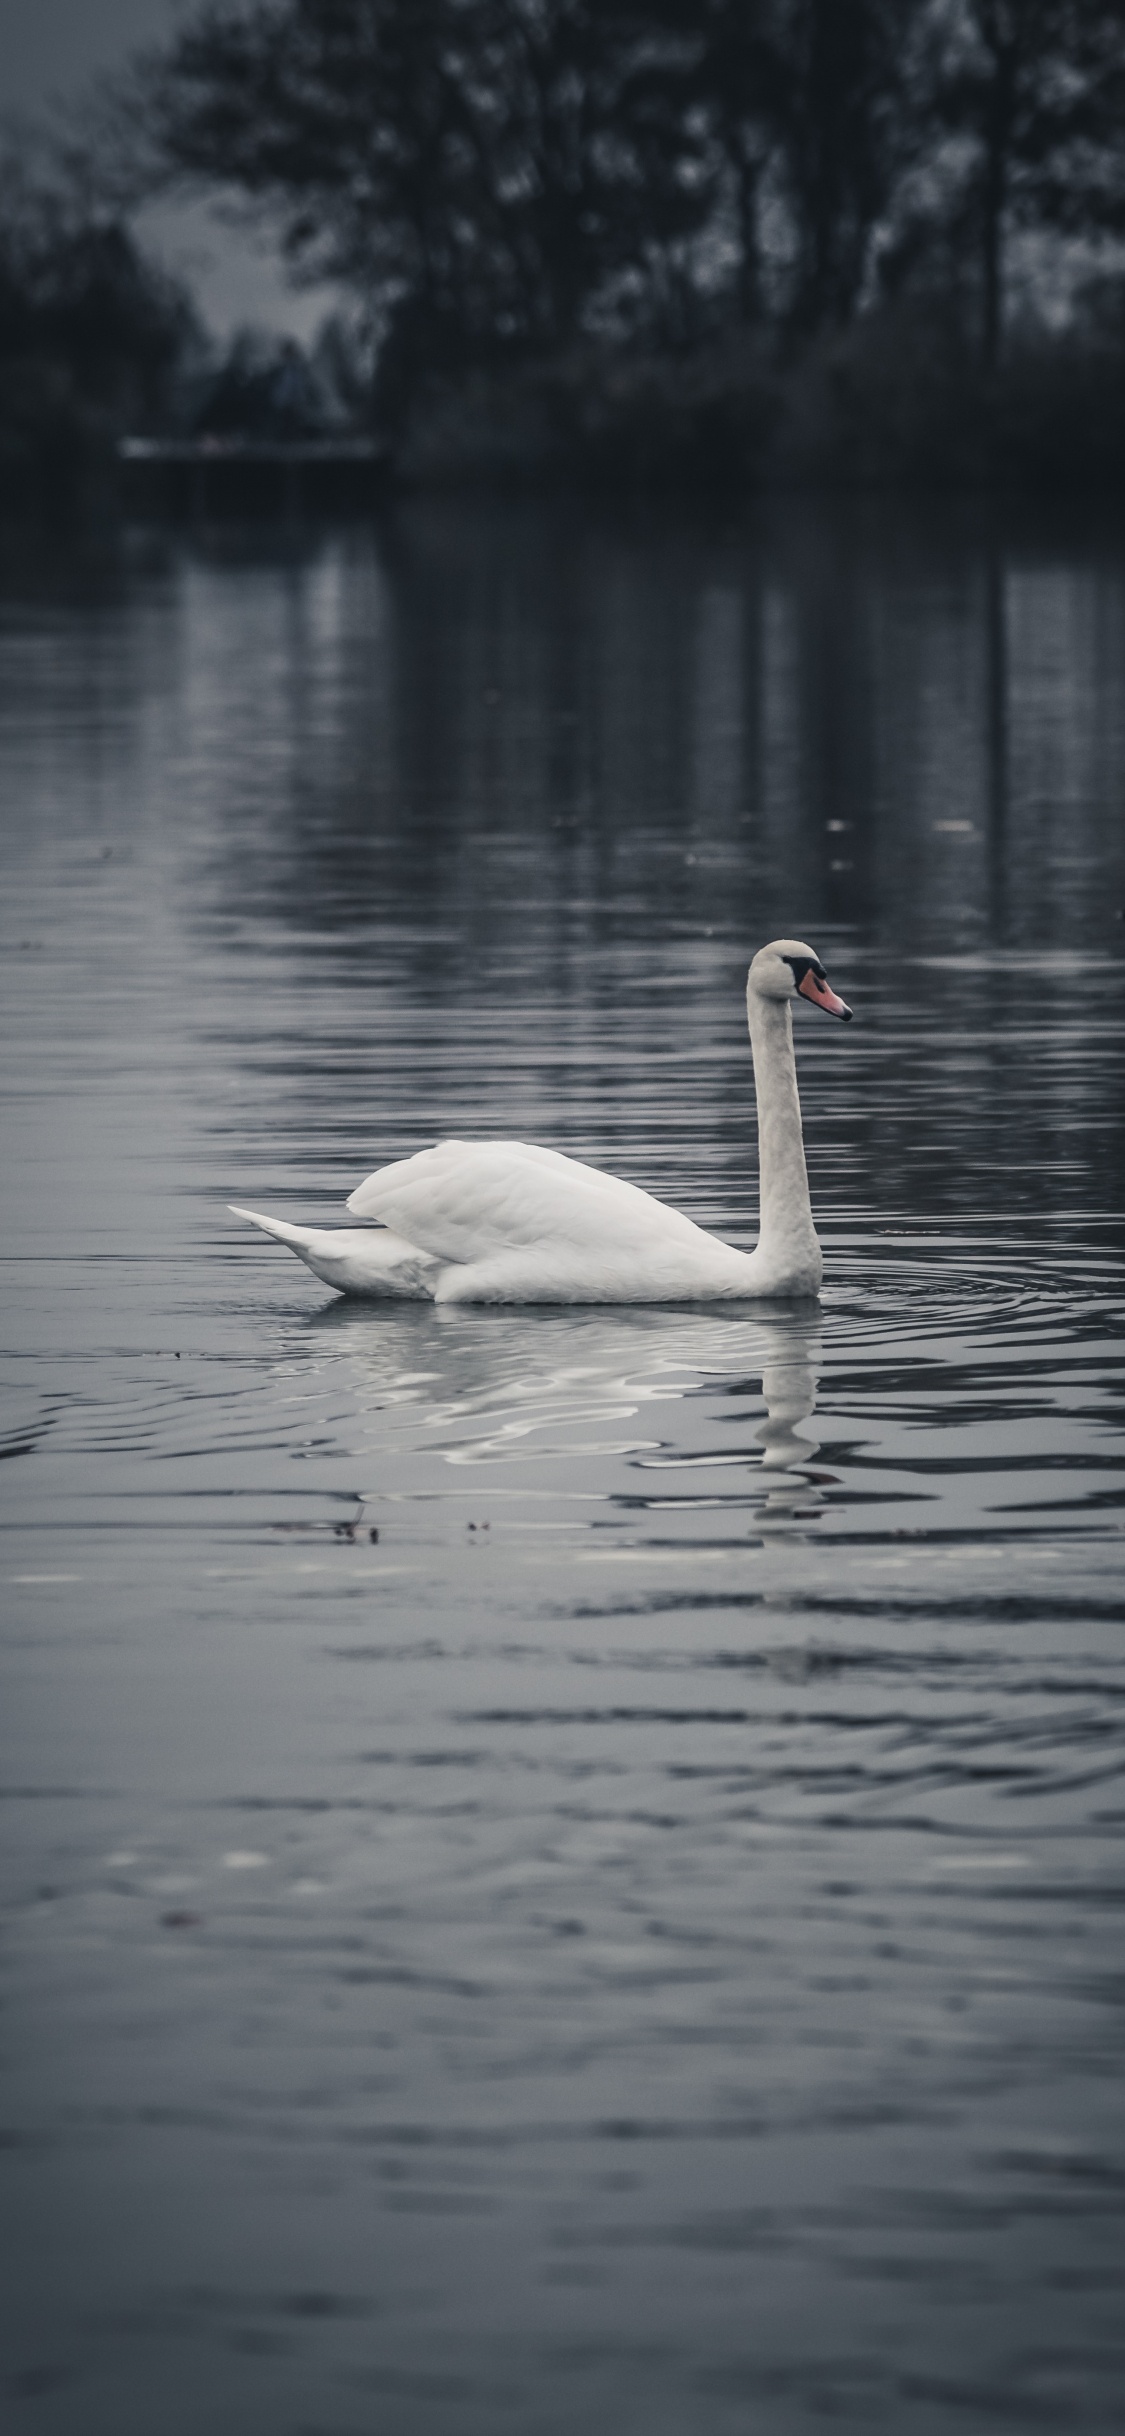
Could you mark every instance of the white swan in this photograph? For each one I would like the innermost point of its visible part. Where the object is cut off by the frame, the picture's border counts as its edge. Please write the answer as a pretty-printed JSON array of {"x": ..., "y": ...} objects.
[{"x": 505, "y": 1222}]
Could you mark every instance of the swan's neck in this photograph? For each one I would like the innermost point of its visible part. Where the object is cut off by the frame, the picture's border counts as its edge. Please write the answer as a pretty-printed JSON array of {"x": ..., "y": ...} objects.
[{"x": 787, "y": 1238}]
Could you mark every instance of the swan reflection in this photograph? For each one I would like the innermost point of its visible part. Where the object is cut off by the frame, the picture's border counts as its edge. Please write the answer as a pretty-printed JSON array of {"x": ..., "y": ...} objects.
[
  {"x": 790, "y": 1374},
  {"x": 520, "y": 1387}
]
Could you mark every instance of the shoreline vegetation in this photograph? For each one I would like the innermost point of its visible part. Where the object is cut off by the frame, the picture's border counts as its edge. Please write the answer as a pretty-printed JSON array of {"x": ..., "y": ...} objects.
[{"x": 694, "y": 244}]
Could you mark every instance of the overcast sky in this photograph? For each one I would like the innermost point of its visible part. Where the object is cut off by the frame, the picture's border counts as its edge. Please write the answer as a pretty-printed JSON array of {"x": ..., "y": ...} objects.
[{"x": 48, "y": 50}]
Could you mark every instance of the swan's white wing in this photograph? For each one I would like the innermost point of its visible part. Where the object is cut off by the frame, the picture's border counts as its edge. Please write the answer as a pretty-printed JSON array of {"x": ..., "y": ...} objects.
[{"x": 469, "y": 1201}]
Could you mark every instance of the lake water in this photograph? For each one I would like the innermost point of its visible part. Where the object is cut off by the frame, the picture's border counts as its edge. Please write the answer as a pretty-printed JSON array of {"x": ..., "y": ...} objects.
[{"x": 563, "y": 1869}]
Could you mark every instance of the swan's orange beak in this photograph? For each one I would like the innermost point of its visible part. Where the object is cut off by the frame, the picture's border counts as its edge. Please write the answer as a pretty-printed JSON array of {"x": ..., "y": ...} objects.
[{"x": 810, "y": 987}]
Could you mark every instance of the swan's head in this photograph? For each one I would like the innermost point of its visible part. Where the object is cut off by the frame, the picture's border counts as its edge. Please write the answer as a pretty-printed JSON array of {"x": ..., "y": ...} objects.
[{"x": 788, "y": 969}]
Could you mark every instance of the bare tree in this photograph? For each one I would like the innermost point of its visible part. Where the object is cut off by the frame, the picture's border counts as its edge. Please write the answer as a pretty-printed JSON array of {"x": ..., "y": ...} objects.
[
  {"x": 1037, "y": 89},
  {"x": 474, "y": 169},
  {"x": 808, "y": 103}
]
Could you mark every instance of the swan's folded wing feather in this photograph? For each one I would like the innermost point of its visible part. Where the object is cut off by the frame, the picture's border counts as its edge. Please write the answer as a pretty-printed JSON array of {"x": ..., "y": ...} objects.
[
  {"x": 468, "y": 1201},
  {"x": 356, "y": 1260}
]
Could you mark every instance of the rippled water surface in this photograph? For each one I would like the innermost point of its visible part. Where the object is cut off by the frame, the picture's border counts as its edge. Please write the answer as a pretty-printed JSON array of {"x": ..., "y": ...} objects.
[{"x": 563, "y": 1868}]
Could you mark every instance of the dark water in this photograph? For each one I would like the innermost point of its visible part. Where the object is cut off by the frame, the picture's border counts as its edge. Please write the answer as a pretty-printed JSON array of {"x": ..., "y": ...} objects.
[{"x": 636, "y": 1945}]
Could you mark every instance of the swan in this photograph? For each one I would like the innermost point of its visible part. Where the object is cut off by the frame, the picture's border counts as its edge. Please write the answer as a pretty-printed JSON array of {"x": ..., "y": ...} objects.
[{"x": 508, "y": 1222}]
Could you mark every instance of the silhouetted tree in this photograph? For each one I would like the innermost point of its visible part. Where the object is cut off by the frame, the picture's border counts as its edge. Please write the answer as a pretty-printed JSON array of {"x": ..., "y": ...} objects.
[
  {"x": 839, "y": 105},
  {"x": 1037, "y": 87},
  {"x": 265, "y": 388},
  {"x": 92, "y": 337},
  {"x": 807, "y": 102}
]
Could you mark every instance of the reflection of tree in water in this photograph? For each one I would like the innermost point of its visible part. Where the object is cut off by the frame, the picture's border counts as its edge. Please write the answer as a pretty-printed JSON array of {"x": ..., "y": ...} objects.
[
  {"x": 996, "y": 733},
  {"x": 543, "y": 732},
  {"x": 539, "y": 782}
]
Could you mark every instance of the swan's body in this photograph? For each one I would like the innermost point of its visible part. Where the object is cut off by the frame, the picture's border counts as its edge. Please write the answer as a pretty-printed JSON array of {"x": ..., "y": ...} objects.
[{"x": 507, "y": 1222}]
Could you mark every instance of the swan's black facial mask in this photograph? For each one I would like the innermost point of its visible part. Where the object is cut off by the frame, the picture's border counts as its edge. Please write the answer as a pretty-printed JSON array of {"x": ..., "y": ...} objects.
[{"x": 812, "y": 982}]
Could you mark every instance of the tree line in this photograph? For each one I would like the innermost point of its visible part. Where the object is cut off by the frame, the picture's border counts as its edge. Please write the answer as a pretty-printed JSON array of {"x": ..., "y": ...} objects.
[
  {"x": 865, "y": 237},
  {"x": 499, "y": 178}
]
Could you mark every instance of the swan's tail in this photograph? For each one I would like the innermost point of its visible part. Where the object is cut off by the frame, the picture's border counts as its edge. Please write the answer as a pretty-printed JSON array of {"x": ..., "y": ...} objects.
[
  {"x": 367, "y": 1260},
  {"x": 299, "y": 1237}
]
